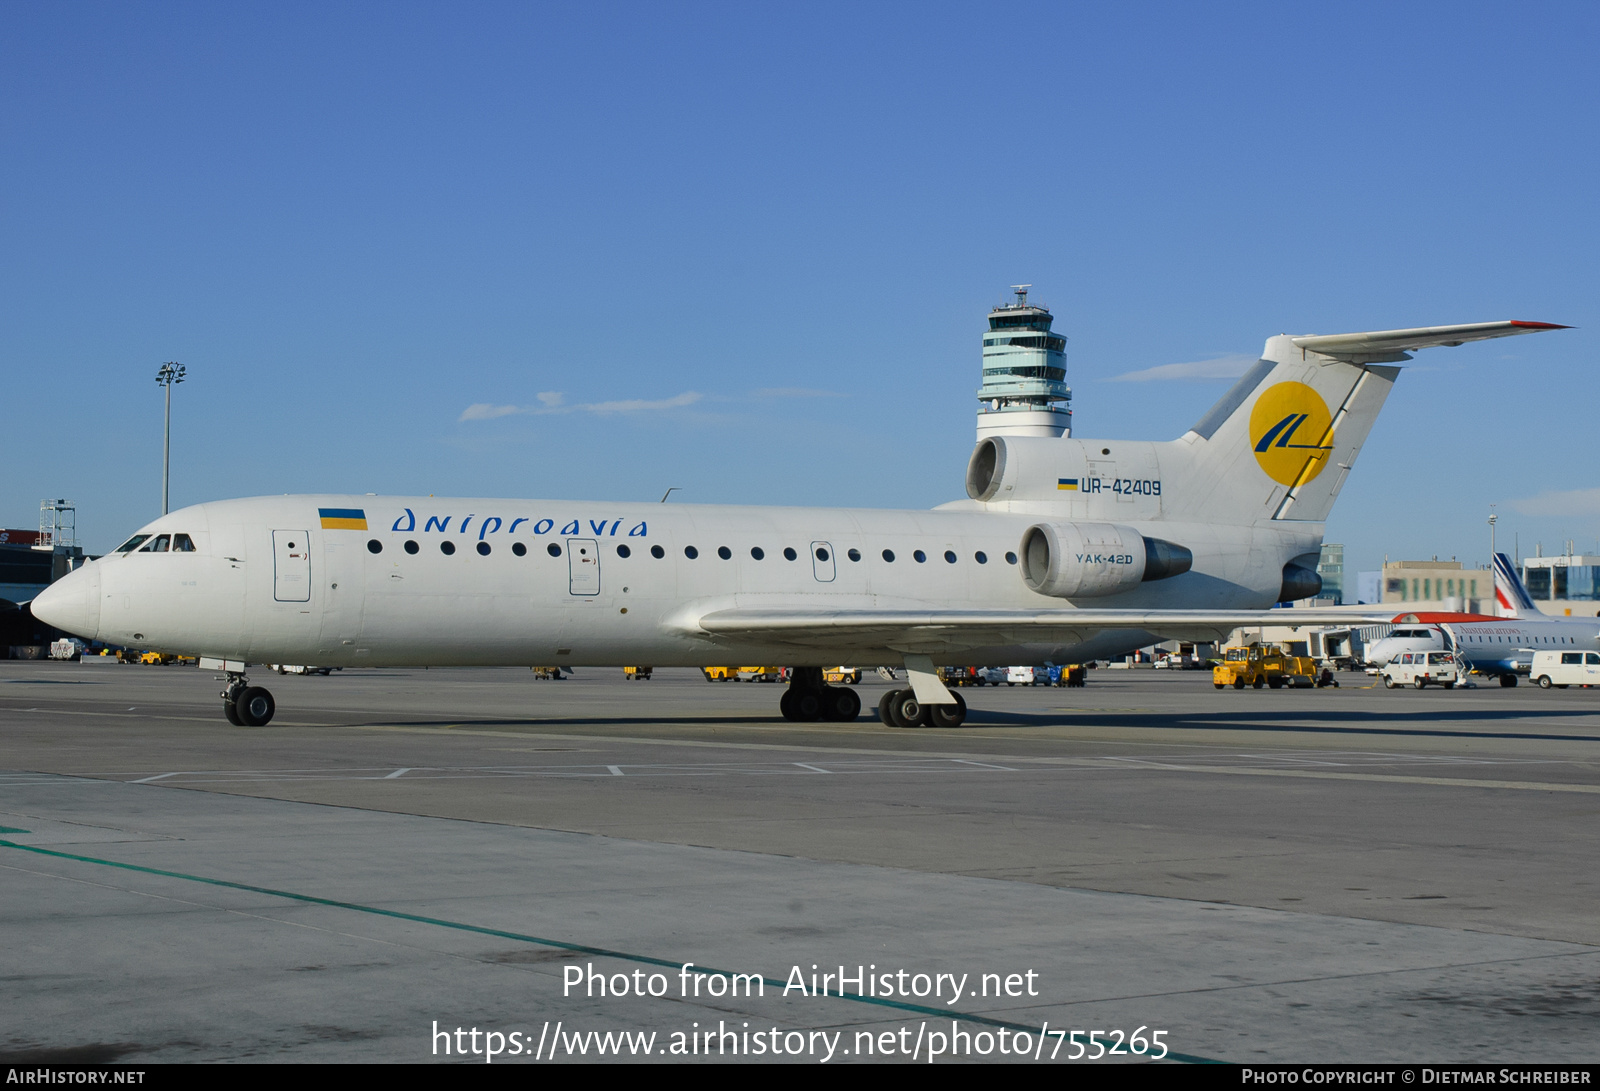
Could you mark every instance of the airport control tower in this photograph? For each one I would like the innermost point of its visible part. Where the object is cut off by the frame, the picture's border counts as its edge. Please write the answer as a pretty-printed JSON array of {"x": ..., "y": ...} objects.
[{"x": 1024, "y": 391}]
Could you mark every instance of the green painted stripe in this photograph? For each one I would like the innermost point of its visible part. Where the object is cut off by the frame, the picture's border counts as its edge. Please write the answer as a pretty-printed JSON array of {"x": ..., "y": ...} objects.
[
  {"x": 580, "y": 948},
  {"x": 13, "y": 829}
]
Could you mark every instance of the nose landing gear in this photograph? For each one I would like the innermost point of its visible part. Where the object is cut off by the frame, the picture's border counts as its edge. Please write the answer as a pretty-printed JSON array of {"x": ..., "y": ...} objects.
[
  {"x": 245, "y": 705},
  {"x": 809, "y": 699}
]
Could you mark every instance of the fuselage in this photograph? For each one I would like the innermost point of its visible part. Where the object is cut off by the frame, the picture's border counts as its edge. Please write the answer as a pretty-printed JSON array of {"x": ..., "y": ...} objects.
[{"x": 430, "y": 581}]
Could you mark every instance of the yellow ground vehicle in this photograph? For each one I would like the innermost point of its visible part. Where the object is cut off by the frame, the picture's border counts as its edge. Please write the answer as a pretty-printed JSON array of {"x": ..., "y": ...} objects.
[
  {"x": 1258, "y": 665},
  {"x": 842, "y": 676},
  {"x": 159, "y": 659},
  {"x": 720, "y": 674},
  {"x": 760, "y": 674},
  {"x": 634, "y": 673}
]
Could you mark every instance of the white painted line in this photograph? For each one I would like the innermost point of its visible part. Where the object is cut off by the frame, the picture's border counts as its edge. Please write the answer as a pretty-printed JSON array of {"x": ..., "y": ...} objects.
[
  {"x": 984, "y": 765},
  {"x": 158, "y": 776},
  {"x": 397, "y": 773},
  {"x": 813, "y": 768},
  {"x": 616, "y": 770}
]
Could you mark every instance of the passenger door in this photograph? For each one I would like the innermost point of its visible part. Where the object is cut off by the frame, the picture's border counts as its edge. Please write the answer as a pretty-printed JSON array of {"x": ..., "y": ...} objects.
[
  {"x": 583, "y": 565},
  {"x": 291, "y": 566}
]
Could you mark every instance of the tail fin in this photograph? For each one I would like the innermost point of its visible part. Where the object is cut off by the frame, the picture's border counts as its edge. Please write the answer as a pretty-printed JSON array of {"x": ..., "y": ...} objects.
[
  {"x": 1279, "y": 445},
  {"x": 1511, "y": 596}
]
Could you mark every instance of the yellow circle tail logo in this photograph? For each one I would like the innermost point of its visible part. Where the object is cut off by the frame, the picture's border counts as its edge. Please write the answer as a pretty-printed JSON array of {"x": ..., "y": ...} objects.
[{"x": 1292, "y": 433}]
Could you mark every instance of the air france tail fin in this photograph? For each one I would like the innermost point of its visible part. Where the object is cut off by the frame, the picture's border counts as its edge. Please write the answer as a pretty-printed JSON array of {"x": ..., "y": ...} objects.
[
  {"x": 1281, "y": 442},
  {"x": 1511, "y": 598}
]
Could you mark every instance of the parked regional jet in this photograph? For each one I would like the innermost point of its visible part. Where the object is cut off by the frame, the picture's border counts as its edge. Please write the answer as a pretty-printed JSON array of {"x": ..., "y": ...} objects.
[
  {"x": 1066, "y": 550},
  {"x": 1501, "y": 646}
]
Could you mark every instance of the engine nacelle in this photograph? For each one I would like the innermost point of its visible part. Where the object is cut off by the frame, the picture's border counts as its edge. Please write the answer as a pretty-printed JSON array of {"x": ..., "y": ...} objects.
[{"x": 1088, "y": 560}]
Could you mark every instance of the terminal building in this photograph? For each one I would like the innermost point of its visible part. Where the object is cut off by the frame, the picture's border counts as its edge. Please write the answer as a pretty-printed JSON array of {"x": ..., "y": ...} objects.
[
  {"x": 1438, "y": 585},
  {"x": 30, "y": 561},
  {"x": 1564, "y": 586}
]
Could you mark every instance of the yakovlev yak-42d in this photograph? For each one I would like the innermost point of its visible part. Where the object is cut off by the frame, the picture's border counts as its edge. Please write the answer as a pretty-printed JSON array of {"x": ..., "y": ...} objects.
[{"x": 1066, "y": 550}]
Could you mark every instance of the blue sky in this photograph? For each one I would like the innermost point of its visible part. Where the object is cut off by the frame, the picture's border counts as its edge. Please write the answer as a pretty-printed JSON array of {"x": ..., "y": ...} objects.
[{"x": 747, "y": 250}]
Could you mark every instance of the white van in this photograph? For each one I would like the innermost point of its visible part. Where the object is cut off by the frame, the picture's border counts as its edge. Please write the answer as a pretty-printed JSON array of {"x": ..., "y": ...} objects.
[
  {"x": 1563, "y": 669},
  {"x": 1420, "y": 669}
]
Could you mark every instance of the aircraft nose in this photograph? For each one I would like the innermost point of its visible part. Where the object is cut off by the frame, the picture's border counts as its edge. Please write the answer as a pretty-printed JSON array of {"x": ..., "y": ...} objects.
[{"x": 72, "y": 603}]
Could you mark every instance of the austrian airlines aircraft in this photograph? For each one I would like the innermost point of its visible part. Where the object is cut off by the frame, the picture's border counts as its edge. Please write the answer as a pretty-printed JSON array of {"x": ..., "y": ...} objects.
[
  {"x": 1066, "y": 550},
  {"x": 1502, "y": 645}
]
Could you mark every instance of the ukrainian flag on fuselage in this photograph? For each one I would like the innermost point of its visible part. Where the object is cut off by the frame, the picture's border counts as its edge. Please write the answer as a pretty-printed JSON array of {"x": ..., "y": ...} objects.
[
  {"x": 1069, "y": 484},
  {"x": 343, "y": 518}
]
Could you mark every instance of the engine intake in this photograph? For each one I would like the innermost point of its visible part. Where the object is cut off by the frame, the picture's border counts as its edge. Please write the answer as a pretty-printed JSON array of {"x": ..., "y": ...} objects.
[{"x": 1088, "y": 560}]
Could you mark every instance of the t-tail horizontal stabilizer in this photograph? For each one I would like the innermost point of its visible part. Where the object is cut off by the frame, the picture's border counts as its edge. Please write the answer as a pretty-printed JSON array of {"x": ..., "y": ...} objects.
[{"x": 1301, "y": 415}]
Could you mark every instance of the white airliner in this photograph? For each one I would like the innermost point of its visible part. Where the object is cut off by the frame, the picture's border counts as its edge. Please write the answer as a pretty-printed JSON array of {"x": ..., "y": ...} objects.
[
  {"x": 1067, "y": 550},
  {"x": 1502, "y": 645}
]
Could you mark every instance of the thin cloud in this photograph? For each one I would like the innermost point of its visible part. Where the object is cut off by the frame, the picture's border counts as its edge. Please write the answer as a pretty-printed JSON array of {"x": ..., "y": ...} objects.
[
  {"x": 1219, "y": 367},
  {"x": 554, "y": 402},
  {"x": 485, "y": 411},
  {"x": 635, "y": 405},
  {"x": 1570, "y": 502}
]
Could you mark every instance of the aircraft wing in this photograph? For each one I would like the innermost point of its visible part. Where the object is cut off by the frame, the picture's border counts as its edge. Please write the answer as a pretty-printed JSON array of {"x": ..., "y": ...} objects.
[
  {"x": 1381, "y": 345},
  {"x": 949, "y": 630}
]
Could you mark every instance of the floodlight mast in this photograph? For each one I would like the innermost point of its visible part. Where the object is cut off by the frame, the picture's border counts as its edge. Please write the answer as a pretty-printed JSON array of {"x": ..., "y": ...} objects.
[{"x": 168, "y": 375}]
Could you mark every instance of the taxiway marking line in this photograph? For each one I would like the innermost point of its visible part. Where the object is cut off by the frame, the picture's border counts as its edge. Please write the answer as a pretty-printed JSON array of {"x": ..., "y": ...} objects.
[
  {"x": 500, "y": 933},
  {"x": 1107, "y": 763},
  {"x": 1391, "y": 778}
]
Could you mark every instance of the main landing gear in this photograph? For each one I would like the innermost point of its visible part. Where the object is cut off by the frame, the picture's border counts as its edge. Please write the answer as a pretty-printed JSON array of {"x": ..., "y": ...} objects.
[
  {"x": 809, "y": 698},
  {"x": 245, "y": 705},
  {"x": 900, "y": 708}
]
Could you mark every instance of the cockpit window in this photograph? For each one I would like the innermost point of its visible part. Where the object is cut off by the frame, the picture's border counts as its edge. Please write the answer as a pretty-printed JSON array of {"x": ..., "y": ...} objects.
[
  {"x": 132, "y": 543},
  {"x": 182, "y": 543},
  {"x": 159, "y": 544}
]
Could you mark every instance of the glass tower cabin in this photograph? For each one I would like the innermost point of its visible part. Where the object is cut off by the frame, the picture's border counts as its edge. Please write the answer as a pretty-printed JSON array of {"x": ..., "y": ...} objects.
[{"x": 1024, "y": 391}]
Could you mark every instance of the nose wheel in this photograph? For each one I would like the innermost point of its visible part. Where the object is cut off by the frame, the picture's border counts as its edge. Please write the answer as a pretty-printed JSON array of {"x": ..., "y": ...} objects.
[
  {"x": 809, "y": 699},
  {"x": 245, "y": 705}
]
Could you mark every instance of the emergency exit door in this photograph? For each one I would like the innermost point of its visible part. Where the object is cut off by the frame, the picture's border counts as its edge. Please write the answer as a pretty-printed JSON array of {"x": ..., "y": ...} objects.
[
  {"x": 291, "y": 566},
  {"x": 822, "y": 564},
  {"x": 583, "y": 565}
]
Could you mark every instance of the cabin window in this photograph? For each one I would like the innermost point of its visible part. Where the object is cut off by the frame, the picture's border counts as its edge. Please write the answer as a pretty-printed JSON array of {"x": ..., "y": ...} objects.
[
  {"x": 182, "y": 543},
  {"x": 888, "y": 555},
  {"x": 161, "y": 543},
  {"x": 758, "y": 553},
  {"x": 854, "y": 554},
  {"x": 949, "y": 557},
  {"x": 373, "y": 545},
  {"x": 448, "y": 548},
  {"x": 919, "y": 556},
  {"x": 519, "y": 549},
  {"x": 483, "y": 549},
  {"x": 822, "y": 554},
  {"x": 725, "y": 553},
  {"x": 553, "y": 549},
  {"x": 789, "y": 554},
  {"x": 1011, "y": 558},
  {"x": 412, "y": 547},
  {"x": 624, "y": 551},
  {"x": 133, "y": 543},
  {"x": 691, "y": 552},
  {"x": 657, "y": 552},
  {"x": 980, "y": 557}
]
